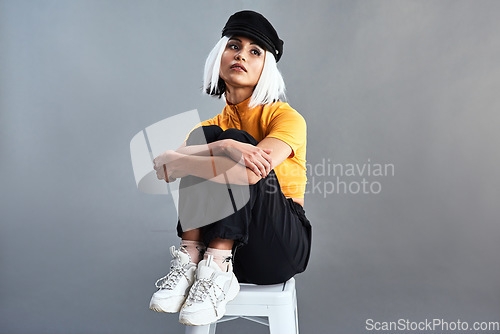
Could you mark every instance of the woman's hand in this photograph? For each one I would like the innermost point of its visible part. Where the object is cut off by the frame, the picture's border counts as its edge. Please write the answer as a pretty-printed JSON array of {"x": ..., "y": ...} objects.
[
  {"x": 248, "y": 155},
  {"x": 163, "y": 165}
]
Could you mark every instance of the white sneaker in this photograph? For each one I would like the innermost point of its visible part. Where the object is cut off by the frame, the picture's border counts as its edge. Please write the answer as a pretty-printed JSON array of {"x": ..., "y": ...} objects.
[
  {"x": 174, "y": 287},
  {"x": 212, "y": 290}
]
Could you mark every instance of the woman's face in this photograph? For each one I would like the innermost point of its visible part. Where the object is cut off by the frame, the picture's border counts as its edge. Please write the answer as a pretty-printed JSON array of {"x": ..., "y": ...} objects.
[{"x": 242, "y": 63}]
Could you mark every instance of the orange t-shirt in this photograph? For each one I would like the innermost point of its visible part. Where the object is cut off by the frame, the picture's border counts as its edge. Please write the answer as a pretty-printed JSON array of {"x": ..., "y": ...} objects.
[{"x": 277, "y": 120}]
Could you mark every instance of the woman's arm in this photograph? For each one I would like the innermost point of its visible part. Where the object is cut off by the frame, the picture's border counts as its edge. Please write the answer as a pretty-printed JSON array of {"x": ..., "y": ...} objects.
[
  {"x": 214, "y": 148},
  {"x": 255, "y": 162},
  {"x": 253, "y": 157},
  {"x": 218, "y": 169},
  {"x": 278, "y": 148}
]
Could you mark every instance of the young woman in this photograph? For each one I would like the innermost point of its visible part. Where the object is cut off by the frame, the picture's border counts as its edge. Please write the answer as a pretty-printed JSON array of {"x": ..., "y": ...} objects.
[{"x": 243, "y": 178}]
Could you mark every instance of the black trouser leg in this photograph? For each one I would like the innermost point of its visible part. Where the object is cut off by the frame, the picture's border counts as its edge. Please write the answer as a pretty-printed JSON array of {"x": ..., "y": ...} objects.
[{"x": 272, "y": 234}]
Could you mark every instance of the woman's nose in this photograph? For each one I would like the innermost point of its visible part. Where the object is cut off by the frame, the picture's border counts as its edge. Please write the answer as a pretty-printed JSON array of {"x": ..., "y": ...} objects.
[{"x": 240, "y": 56}]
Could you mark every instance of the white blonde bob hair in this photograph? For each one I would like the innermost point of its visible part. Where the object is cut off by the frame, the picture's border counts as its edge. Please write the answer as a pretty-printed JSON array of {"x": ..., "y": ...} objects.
[{"x": 269, "y": 89}]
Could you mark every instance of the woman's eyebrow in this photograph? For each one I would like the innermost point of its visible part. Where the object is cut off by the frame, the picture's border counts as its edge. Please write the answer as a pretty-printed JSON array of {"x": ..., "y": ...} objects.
[{"x": 239, "y": 40}]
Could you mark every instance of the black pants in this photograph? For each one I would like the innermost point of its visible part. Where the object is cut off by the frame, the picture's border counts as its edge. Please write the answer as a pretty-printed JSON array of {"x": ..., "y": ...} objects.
[{"x": 272, "y": 234}]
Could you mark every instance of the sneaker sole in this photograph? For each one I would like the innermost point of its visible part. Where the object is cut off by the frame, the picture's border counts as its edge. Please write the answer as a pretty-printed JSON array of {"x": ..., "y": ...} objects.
[
  {"x": 170, "y": 305},
  {"x": 200, "y": 319}
]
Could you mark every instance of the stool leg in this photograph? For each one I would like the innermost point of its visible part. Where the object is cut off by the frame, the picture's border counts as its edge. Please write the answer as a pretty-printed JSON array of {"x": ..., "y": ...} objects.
[
  {"x": 282, "y": 320},
  {"x": 296, "y": 311},
  {"x": 206, "y": 329}
]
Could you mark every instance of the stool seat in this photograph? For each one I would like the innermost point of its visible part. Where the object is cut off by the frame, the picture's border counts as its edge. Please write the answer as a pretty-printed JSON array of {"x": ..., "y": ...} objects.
[{"x": 271, "y": 305}]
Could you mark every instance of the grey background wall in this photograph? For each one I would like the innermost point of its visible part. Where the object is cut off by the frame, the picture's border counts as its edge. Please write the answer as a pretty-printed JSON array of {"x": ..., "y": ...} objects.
[{"x": 409, "y": 83}]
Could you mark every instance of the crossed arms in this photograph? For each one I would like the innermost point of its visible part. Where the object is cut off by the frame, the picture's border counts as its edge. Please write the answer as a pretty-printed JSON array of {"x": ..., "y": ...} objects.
[{"x": 216, "y": 161}]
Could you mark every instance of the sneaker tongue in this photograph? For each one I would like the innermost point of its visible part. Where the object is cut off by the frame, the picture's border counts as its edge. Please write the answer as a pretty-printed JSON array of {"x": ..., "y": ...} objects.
[
  {"x": 206, "y": 268},
  {"x": 183, "y": 257},
  {"x": 180, "y": 256}
]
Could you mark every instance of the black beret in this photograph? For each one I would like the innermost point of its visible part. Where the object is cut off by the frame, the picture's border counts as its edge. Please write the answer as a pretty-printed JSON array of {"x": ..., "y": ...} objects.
[{"x": 255, "y": 26}]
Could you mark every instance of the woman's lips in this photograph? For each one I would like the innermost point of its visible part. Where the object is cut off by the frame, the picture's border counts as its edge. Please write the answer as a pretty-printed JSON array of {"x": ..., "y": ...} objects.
[{"x": 238, "y": 67}]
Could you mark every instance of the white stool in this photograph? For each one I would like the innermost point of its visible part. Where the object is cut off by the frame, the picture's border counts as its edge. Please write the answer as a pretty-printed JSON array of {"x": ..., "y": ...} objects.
[{"x": 277, "y": 302}]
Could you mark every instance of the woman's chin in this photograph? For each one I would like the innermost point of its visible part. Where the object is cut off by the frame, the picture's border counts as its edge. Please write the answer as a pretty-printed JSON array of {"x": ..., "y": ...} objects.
[{"x": 239, "y": 84}]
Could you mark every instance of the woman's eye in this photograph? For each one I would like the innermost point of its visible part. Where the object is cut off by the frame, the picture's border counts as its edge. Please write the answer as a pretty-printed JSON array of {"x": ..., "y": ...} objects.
[
  {"x": 233, "y": 46},
  {"x": 256, "y": 52}
]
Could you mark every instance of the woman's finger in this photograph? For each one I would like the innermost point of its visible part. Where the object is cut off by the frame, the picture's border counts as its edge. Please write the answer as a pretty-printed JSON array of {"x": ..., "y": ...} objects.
[
  {"x": 156, "y": 163},
  {"x": 269, "y": 160},
  {"x": 253, "y": 167},
  {"x": 267, "y": 165},
  {"x": 165, "y": 172},
  {"x": 160, "y": 175},
  {"x": 261, "y": 167},
  {"x": 266, "y": 156},
  {"x": 265, "y": 160},
  {"x": 267, "y": 152}
]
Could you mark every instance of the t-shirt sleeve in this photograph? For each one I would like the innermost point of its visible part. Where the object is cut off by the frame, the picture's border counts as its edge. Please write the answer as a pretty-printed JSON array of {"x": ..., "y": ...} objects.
[{"x": 289, "y": 126}]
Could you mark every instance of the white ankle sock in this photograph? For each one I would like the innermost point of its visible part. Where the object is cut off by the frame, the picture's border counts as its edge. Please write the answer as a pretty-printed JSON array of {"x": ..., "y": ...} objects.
[
  {"x": 221, "y": 257},
  {"x": 195, "y": 249}
]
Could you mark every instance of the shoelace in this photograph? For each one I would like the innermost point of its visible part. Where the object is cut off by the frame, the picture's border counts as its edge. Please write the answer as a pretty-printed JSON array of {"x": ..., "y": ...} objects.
[
  {"x": 201, "y": 289},
  {"x": 170, "y": 280}
]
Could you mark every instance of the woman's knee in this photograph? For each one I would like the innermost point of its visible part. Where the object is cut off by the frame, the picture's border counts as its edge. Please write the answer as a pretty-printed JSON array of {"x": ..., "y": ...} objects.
[
  {"x": 238, "y": 135},
  {"x": 204, "y": 134}
]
